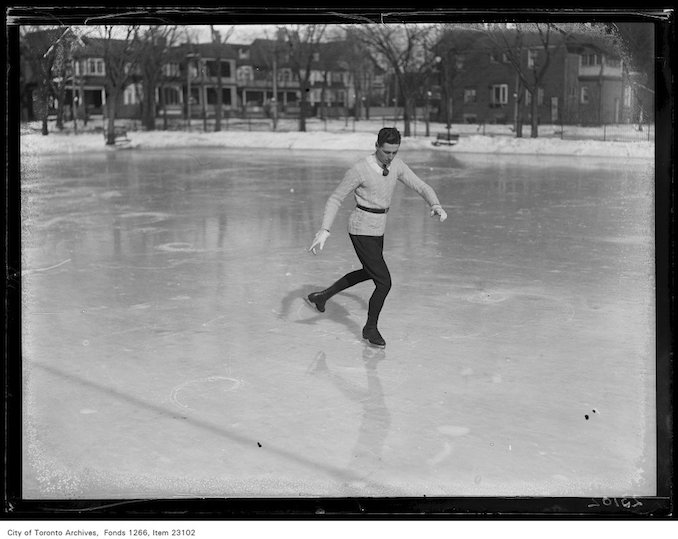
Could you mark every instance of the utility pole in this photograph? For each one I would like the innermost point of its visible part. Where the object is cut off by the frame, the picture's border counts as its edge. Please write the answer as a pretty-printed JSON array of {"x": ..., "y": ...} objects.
[
  {"x": 274, "y": 99},
  {"x": 73, "y": 98},
  {"x": 188, "y": 96},
  {"x": 201, "y": 67},
  {"x": 428, "y": 112}
]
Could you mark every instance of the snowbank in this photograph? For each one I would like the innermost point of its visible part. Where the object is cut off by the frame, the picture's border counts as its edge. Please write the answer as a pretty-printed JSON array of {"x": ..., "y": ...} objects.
[{"x": 56, "y": 143}]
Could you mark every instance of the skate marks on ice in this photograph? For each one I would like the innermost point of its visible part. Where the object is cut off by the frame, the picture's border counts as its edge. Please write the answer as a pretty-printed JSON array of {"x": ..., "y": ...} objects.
[
  {"x": 181, "y": 397},
  {"x": 294, "y": 307},
  {"x": 450, "y": 433},
  {"x": 202, "y": 392},
  {"x": 492, "y": 312}
]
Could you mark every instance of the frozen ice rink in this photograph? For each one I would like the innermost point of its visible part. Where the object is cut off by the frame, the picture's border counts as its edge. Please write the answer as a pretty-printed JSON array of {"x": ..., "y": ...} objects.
[{"x": 168, "y": 350}]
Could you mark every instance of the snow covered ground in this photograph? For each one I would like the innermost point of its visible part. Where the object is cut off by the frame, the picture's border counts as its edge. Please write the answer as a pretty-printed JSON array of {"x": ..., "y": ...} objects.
[{"x": 495, "y": 141}]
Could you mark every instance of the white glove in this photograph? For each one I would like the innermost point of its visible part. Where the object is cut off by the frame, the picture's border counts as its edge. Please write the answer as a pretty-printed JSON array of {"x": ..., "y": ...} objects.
[
  {"x": 439, "y": 211},
  {"x": 319, "y": 240}
]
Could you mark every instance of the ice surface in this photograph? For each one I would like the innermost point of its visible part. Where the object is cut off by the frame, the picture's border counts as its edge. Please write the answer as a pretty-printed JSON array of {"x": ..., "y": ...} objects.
[{"x": 168, "y": 350}]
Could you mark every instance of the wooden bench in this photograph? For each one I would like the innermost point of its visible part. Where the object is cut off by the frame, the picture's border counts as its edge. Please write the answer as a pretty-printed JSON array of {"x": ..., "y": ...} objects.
[
  {"x": 446, "y": 138},
  {"x": 120, "y": 134}
]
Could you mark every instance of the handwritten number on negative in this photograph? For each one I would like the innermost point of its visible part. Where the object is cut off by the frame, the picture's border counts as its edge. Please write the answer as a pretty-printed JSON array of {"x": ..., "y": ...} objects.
[{"x": 626, "y": 503}]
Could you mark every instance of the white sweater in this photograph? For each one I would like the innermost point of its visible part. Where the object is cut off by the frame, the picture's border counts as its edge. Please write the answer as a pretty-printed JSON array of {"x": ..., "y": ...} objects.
[{"x": 373, "y": 190}]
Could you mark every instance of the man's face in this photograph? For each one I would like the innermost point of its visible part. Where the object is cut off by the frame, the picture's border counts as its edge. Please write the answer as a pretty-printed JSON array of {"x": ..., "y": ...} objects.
[{"x": 386, "y": 152}]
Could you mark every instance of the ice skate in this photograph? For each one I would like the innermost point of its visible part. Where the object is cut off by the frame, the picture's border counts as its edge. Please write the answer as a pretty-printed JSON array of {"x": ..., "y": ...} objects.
[
  {"x": 317, "y": 299},
  {"x": 373, "y": 336}
]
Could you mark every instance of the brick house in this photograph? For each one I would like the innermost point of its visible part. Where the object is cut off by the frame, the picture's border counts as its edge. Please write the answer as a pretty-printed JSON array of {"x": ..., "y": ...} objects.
[
  {"x": 585, "y": 82},
  {"x": 474, "y": 82}
]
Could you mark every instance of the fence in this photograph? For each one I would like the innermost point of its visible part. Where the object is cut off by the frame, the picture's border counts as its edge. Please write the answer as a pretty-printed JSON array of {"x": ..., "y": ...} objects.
[{"x": 418, "y": 127}]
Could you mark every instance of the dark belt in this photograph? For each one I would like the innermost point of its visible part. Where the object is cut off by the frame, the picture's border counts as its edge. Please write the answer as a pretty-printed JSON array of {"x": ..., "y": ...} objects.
[{"x": 372, "y": 210}]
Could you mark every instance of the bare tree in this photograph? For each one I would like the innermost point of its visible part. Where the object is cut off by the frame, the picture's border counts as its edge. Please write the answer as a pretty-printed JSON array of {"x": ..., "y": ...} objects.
[
  {"x": 218, "y": 40},
  {"x": 155, "y": 45},
  {"x": 403, "y": 49},
  {"x": 455, "y": 46},
  {"x": 361, "y": 67},
  {"x": 120, "y": 50},
  {"x": 530, "y": 62},
  {"x": 302, "y": 43},
  {"x": 46, "y": 52}
]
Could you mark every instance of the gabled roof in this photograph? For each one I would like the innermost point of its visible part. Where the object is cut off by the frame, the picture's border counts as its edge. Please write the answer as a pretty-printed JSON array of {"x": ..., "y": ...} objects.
[
  {"x": 331, "y": 54},
  {"x": 579, "y": 42},
  {"x": 208, "y": 50}
]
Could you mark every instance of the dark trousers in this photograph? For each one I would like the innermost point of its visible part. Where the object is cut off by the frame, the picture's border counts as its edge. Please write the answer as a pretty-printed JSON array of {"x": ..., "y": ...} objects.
[{"x": 370, "y": 251}]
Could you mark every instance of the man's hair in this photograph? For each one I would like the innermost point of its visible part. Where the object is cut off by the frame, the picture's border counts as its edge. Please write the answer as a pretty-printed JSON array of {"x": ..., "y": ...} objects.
[{"x": 388, "y": 135}]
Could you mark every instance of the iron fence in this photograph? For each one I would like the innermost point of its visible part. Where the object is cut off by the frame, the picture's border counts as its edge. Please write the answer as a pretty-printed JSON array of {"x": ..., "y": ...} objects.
[{"x": 419, "y": 128}]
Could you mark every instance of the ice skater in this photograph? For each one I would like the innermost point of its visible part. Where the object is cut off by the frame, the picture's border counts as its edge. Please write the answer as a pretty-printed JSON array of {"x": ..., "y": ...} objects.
[{"x": 372, "y": 181}]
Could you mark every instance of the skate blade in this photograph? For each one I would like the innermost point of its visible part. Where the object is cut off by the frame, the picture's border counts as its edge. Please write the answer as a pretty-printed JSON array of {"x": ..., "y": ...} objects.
[
  {"x": 313, "y": 305},
  {"x": 380, "y": 346}
]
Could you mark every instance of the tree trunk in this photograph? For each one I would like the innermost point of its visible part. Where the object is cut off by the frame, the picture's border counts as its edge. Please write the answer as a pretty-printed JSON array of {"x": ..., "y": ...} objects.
[
  {"x": 61, "y": 96},
  {"x": 83, "y": 101},
  {"x": 303, "y": 106},
  {"x": 535, "y": 117},
  {"x": 44, "y": 111},
  {"x": 163, "y": 107},
  {"x": 110, "y": 120},
  {"x": 219, "y": 105},
  {"x": 149, "y": 104},
  {"x": 407, "y": 115}
]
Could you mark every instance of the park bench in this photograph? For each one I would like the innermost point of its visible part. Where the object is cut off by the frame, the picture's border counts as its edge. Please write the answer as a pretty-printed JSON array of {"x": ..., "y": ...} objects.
[
  {"x": 446, "y": 138},
  {"x": 120, "y": 134}
]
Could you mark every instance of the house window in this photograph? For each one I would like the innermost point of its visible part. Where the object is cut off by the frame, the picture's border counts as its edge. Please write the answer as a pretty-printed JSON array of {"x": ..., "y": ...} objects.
[
  {"x": 245, "y": 74},
  {"x": 628, "y": 92},
  {"x": 540, "y": 97},
  {"x": 494, "y": 58},
  {"x": 243, "y": 54},
  {"x": 129, "y": 96},
  {"x": 590, "y": 59},
  {"x": 459, "y": 61},
  {"x": 171, "y": 96},
  {"x": 612, "y": 62},
  {"x": 316, "y": 57},
  {"x": 337, "y": 77},
  {"x": 226, "y": 97},
  {"x": 170, "y": 70},
  {"x": 505, "y": 57},
  {"x": 584, "y": 95},
  {"x": 532, "y": 58},
  {"x": 499, "y": 94},
  {"x": 213, "y": 68},
  {"x": 470, "y": 95}
]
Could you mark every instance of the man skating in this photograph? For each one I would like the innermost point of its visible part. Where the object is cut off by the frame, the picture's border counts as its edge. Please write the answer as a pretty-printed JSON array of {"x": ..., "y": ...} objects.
[{"x": 372, "y": 181}]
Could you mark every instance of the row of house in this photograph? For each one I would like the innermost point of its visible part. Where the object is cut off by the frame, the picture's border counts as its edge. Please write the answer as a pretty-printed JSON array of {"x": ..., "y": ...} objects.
[{"x": 585, "y": 83}]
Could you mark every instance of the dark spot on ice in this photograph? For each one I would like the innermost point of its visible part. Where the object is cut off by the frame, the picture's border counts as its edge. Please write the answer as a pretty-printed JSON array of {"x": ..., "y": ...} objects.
[
  {"x": 260, "y": 444},
  {"x": 587, "y": 417}
]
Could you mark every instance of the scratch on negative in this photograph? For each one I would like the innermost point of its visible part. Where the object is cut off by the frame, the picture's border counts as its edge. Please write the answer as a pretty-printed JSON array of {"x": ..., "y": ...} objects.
[{"x": 46, "y": 269}]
